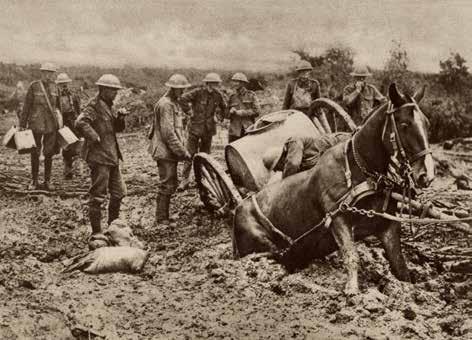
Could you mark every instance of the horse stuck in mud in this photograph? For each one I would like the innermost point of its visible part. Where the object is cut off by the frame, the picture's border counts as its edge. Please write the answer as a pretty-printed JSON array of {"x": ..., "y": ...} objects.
[{"x": 339, "y": 194}]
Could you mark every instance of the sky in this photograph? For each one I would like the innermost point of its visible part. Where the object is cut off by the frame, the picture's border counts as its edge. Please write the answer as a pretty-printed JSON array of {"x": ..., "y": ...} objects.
[{"x": 231, "y": 34}]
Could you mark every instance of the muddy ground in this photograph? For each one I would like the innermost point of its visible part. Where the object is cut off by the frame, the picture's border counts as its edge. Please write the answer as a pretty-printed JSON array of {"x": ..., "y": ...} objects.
[{"x": 192, "y": 288}]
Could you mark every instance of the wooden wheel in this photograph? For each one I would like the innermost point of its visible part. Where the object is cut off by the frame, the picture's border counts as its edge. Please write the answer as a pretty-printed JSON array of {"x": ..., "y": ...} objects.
[
  {"x": 328, "y": 116},
  {"x": 217, "y": 191}
]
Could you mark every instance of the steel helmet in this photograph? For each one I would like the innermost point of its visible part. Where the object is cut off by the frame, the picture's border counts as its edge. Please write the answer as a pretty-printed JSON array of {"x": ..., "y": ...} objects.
[
  {"x": 177, "y": 81},
  {"x": 240, "y": 77},
  {"x": 63, "y": 78},
  {"x": 48, "y": 67},
  {"x": 303, "y": 65},
  {"x": 272, "y": 157},
  {"x": 361, "y": 71},
  {"x": 212, "y": 78},
  {"x": 109, "y": 80}
]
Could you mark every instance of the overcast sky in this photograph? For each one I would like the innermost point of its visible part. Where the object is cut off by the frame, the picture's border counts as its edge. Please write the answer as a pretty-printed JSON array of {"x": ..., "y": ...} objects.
[{"x": 232, "y": 34}]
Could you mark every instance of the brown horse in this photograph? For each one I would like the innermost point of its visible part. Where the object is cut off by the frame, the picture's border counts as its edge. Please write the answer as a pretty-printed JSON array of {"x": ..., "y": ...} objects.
[{"x": 282, "y": 211}]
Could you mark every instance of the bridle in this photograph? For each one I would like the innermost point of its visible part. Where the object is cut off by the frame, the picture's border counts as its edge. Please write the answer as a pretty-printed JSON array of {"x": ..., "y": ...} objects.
[
  {"x": 400, "y": 170},
  {"x": 395, "y": 139}
]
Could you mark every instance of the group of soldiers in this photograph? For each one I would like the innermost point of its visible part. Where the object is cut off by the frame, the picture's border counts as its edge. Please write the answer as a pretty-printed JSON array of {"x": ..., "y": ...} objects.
[{"x": 98, "y": 122}]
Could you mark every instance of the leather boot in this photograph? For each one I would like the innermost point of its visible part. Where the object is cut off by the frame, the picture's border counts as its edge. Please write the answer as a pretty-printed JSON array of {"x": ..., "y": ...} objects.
[
  {"x": 95, "y": 217},
  {"x": 113, "y": 210},
  {"x": 34, "y": 171},
  {"x": 97, "y": 239},
  {"x": 162, "y": 209},
  {"x": 68, "y": 173},
  {"x": 47, "y": 174}
]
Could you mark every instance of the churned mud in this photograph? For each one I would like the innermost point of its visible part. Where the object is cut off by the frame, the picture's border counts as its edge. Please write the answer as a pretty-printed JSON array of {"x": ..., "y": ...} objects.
[{"x": 192, "y": 288}]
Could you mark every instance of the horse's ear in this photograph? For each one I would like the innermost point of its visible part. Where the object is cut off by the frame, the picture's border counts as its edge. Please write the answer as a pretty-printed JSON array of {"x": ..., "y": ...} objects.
[
  {"x": 395, "y": 97},
  {"x": 419, "y": 94}
]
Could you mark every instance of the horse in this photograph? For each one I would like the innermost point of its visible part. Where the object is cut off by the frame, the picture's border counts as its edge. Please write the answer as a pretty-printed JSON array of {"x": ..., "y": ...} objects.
[{"x": 281, "y": 212}]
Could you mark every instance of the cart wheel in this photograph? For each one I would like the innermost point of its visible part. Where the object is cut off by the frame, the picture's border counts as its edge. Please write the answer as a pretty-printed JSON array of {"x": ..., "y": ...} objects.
[
  {"x": 216, "y": 189},
  {"x": 329, "y": 116}
]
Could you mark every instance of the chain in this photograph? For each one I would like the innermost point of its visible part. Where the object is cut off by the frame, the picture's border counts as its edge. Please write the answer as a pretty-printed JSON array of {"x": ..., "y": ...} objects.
[{"x": 344, "y": 207}]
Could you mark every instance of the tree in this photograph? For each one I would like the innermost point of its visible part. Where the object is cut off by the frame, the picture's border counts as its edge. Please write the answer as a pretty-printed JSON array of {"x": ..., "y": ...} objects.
[
  {"x": 396, "y": 69},
  {"x": 454, "y": 74}
]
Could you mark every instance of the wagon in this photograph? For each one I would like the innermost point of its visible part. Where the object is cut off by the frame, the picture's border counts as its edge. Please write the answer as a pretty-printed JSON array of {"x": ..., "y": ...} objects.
[{"x": 222, "y": 189}]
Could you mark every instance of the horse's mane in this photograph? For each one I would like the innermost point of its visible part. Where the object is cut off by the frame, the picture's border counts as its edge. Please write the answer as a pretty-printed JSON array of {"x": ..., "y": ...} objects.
[{"x": 374, "y": 111}]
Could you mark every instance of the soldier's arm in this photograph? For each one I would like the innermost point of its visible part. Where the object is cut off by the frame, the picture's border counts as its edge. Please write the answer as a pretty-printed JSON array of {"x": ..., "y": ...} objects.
[
  {"x": 294, "y": 157},
  {"x": 232, "y": 104},
  {"x": 222, "y": 104},
  {"x": 288, "y": 97},
  {"x": 166, "y": 121},
  {"x": 27, "y": 106},
  {"x": 186, "y": 100},
  {"x": 255, "y": 110},
  {"x": 84, "y": 122},
  {"x": 378, "y": 96},
  {"x": 76, "y": 104},
  {"x": 350, "y": 94},
  {"x": 119, "y": 123},
  {"x": 315, "y": 90}
]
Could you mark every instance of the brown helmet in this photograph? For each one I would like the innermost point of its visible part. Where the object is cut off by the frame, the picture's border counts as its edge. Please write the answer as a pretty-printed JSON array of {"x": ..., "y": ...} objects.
[
  {"x": 109, "y": 80},
  {"x": 177, "y": 81},
  {"x": 361, "y": 71}
]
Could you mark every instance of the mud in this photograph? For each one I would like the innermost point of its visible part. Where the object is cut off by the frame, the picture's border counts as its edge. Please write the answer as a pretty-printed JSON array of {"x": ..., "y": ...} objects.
[{"x": 192, "y": 288}]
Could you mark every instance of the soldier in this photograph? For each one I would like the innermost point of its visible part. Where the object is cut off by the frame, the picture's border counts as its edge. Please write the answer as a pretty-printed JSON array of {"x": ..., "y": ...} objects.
[
  {"x": 205, "y": 101},
  {"x": 98, "y": 123},
  {"x": 39, "y": 115},
  {"x": 302, "y": 90},
  {"x": 167, "y": 143},
  {"x": 243, "y": 108},
  {"x": 69, "y": 105},
  {"x": 300, "y": 153},
  {"x": 360, "y": 97}
]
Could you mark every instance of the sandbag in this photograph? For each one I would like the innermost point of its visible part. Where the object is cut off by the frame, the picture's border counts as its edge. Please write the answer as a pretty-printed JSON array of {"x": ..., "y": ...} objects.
[
  {"x": 108, "y": 260},
  {"x": 120, "y": 234}
]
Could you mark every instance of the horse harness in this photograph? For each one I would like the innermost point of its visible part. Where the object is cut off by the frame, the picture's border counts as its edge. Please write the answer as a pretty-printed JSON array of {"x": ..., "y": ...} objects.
[{"x": 400, "y": 175}]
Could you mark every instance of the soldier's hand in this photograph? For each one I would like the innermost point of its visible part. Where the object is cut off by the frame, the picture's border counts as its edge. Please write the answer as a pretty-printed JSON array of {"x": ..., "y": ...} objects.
[
  {"x": 122, "y": 111},
  {"x": 21, "y": 128},
  {"x": 98, "y": 140},
  {"x": 187, "y": 156},
  {"x": 232, "y": 111},
  {"x": 359, "y": 85}
]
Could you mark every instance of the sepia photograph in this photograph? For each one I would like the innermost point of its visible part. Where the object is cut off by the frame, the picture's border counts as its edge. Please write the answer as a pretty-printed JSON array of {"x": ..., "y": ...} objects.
[{"x": 245, "y": 169}]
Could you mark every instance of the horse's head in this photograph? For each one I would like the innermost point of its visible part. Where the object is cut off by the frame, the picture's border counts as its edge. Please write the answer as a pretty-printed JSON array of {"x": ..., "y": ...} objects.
[{"x": 405, "y": 135}]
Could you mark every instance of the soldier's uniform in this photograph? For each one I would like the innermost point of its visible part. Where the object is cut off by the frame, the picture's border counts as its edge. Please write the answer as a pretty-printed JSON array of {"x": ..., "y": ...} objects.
[
  {"x": 299, "y": 94},
  {"x": 39, "y": 115},
  {"x": 98, "y": 123},
  {"x": 360, "y": 103},
  {"x": 202, "y": 125},
  {"x": 302, "y": 153},
  {"x": 167, "y": 143},
  {"x": 247, "y": 108},
  {"x": 69, "y": 105}
]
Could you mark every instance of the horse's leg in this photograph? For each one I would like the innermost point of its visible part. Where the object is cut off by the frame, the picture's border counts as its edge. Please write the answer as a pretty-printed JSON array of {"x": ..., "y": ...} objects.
[
  {"x": 390, "y": 238},
  {"x": 249, "y": 236},
  {"x": 342, "y": 233}
]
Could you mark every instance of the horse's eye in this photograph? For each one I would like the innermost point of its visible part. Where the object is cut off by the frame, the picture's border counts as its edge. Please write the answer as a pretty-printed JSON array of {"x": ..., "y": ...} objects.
[{"x": 404, "y": 125}]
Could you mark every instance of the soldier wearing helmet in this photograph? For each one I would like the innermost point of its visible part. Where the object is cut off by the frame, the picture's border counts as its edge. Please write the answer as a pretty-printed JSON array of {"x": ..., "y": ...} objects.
[
  {"x": 99, "y": 123},
  {"x": 302, "y": 90},
  {"x": 361, "y": 97},
  {"x": 69, "y": 105},
  {"x": 167, "y": 145},
  {"x": 39, "y": 115},
  {"x": 205, "y": 101},
  {"x": 243, "y": 107}
]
